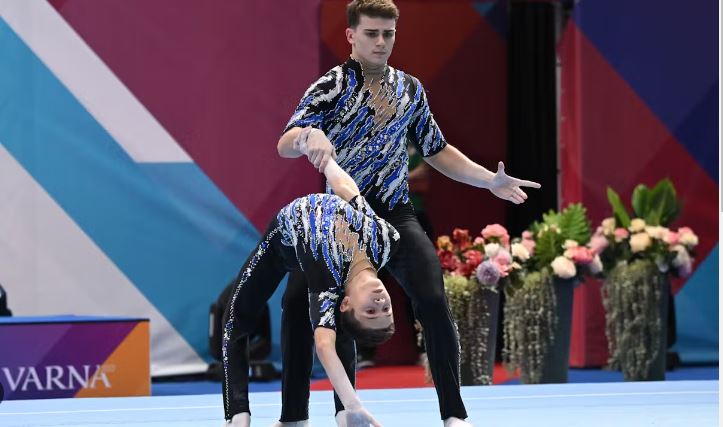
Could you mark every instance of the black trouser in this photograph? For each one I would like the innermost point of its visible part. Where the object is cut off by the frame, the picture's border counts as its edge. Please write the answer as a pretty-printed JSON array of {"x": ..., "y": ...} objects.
[
  {"x": 256, "y": 282},
  {"x": 416, "y": 267}
]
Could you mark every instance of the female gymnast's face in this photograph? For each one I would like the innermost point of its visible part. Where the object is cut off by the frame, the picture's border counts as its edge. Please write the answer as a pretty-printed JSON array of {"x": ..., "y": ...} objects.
[
  {"x": 371, "y": 304},
  {"x": 372, "y": 40}
]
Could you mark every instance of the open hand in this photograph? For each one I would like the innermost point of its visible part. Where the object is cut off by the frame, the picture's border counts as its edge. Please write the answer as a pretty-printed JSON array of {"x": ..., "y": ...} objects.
[
  {"x": 508, "y": 188},
  {"x": 360, "y": 417}
]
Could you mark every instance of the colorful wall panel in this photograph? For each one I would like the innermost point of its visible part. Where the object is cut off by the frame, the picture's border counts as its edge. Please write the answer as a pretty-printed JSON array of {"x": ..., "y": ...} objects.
[{"x": 639, "y": 102}]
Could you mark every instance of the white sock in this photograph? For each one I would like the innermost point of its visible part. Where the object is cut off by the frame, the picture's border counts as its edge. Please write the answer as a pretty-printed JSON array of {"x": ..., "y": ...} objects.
[
  {"x": 341, "y": 419},
  {"x": 456, "y": 422},
  {"x": 304, "y": 423},
  {"x": 242, "y": 419}
]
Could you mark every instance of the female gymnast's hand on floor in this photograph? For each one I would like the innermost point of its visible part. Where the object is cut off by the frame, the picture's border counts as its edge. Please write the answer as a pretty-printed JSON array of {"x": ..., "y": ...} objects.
[
  {"x": 508, "y": 188},
  {"x": 360, "y": 417}
]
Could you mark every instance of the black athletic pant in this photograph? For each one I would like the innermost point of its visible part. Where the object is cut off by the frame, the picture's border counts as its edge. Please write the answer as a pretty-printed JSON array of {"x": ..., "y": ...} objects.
[
  {"x": 416, "y": 267},
  {"x": 256, "y": 282}
]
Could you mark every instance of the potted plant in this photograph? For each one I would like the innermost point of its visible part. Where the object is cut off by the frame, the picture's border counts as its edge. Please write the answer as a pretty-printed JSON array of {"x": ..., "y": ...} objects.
[
  {"x": 639, "y": 255},
  {"x": 472, "y": 272},
  {"x": 553, "y": 257}
]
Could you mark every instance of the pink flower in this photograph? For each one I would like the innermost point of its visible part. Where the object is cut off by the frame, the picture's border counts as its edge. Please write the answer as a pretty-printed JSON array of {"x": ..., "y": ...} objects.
[
  {"x": 671, "y": 238},
  {"x": 621, "y": 234},
  {"x": 503, "y": 269},
  {"x": 497, "y": 231},
  {"x": 478, "y": 241},
  {"x": 529, "y": 244},
  {"x": 527, "y": 234},
  {"x": 503, "y": 257},
  {"x": 579, "y": 255},
  {"x": 598, "y": 243}
]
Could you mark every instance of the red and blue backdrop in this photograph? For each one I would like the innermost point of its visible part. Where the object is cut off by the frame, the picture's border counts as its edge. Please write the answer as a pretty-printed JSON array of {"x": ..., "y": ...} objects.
[{"x": 639, "y": 103}]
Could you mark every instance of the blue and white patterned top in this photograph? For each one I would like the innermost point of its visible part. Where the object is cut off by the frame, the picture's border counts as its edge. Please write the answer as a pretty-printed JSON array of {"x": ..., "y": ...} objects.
[
  {"x": 318, "y": 227},
  {"x": 369, "y": 125}
]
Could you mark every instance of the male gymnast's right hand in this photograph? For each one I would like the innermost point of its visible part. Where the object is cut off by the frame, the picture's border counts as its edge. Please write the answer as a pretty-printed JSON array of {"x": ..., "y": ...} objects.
[{"x": 319, "y": 149}]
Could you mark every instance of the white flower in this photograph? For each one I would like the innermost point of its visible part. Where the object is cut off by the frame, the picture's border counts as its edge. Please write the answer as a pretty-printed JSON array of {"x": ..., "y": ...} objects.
[
  {"x": 657, "y": 232},
  {"x": 563, "y": 267},
  {"x": 491, "y": 249},
  {"x": 681, "y": 255},
  {"x": 637, "y": 225},
  {"x": 608, "y": 226},
  {"x": 596, "y": 265},
  {"x": 569, "y": 244},
  {"x": 688, "y": 239},
  {"x": 515, "y": 266},
  {"x": 519, "y": 251},
  {"x": 639, "y": 242},
  {"x": 682, "y": 260}
]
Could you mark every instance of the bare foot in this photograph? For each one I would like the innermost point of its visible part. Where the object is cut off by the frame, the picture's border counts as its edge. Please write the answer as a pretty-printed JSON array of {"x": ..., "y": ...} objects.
[{"x": 456, "y": 422}]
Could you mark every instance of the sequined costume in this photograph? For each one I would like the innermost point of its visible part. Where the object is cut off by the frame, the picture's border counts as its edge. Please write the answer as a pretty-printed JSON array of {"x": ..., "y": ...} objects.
[
  {"x": 318, "y": 235},
  {"x": 369, "y": 124}
]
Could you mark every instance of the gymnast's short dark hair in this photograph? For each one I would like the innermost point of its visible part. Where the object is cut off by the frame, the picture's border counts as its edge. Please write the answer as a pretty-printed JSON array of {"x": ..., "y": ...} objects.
[
  {"x": 371, "y": 8},
  {"x": 367, "y": 337}
]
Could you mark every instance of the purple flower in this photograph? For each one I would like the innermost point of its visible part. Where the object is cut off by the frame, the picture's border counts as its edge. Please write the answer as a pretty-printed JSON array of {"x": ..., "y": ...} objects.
[{"x": 488, "y": 273}]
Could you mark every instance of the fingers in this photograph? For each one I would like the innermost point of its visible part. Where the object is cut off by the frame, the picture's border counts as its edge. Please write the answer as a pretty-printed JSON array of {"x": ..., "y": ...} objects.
[
  {"x": 525, "y": 183},
  {"x": 519, "y": 192},
  {"x": 500, "y": 167},
  {"x": 324, "y": 161},
  {"x": 315, "y": 157}
]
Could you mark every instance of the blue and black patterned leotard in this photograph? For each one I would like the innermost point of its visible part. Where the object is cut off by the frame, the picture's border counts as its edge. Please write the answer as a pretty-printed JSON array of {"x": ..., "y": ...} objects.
[
  {"x": 326, "y": 234},
  {"x": 369, "y": 124}
]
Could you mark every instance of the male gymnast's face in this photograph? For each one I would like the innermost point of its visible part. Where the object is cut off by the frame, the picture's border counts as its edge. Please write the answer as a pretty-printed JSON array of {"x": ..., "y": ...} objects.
[
  {"x": 371, "y": 304},
  {"x": 372, "y": 40}
]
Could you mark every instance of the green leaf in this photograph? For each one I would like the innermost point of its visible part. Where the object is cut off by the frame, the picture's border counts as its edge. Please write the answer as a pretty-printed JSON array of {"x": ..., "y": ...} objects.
[
  {"x": 574, "y": 223},
  {"x": 664, "y": 205},
  {"x": 548, "y": 247},
  {"x": 641, "y": 201},
  {"x": 621, "y": 215}
]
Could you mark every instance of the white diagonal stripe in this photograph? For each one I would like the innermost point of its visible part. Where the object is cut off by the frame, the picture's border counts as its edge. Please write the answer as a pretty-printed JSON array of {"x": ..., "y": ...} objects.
[{"x": 95, "y": 86}]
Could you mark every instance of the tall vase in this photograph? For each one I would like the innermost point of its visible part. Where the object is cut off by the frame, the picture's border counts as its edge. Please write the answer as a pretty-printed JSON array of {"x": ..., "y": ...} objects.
[
  {"x": 656, "y": 372},
  {"x": 478, "y": 337},
  {"x": 635, "y": 297},
  {"x": 555, "y": 364}
]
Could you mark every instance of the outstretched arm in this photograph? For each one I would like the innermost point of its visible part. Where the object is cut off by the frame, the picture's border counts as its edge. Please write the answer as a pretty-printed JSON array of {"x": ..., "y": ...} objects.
[
  {"x": 453, "y": 164},
  {"x": 325, "y": 340}
]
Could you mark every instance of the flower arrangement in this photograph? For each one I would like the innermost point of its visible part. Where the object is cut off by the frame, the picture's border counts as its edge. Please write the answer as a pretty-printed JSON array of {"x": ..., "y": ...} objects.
[
  {"x": 638, "y": 255},
  {"x": 473, "y": 269},
  {"x": 553, "y": 251},
  {"x": 486, "y": 259}
]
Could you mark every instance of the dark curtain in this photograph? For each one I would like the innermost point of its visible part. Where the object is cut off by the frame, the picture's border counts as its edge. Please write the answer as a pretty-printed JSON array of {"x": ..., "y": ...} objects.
[{"x": 532, "y": 115}]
